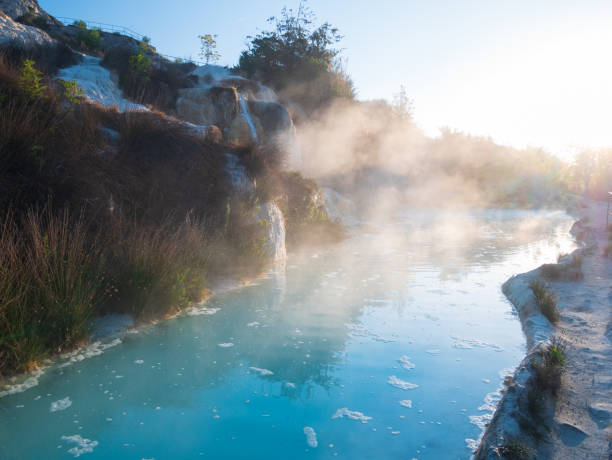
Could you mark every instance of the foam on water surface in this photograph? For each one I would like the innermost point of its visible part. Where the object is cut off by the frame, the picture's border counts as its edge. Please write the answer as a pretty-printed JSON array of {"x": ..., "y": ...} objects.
[
  {"x": 82, "y": 445},
  {"x": 262, "y": 372},
  {"x": 311, "y": 437},
  {"x": 405, "y": 362},
  {"x": 401, "y": 384},
  {"x": 351, "y": 414},
  {"x": 286, "y": 353},
  {"x": 61, "y": 404}
]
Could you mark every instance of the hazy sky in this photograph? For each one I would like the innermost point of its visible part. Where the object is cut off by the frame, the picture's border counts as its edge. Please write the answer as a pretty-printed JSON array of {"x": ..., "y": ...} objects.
[{"x": 526, "y": 72}]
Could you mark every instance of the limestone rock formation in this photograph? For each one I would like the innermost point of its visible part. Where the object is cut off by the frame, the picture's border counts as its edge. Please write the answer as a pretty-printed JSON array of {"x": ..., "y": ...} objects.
[
  {"x": 17, "y": 8},
  {"x": 240, "y": 133},
  {"x": 274, "y": 117},
  {"x": 208, "y": 106},
  {"x": 20, "y": 34}
]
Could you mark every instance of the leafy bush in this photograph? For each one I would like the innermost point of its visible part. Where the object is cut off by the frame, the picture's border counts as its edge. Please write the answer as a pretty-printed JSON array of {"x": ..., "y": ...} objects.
[
  {"x": 70, "y": 91},
  {"x": 139, "y": 73},
  {"x": 30, "y": 80},
  {"x": 298, "y": 60},
  {"x": 88, "y": 39},
  {"x": 545, "y": 301},
  {"x": 555, "y": 353},
  {"x": 157, "y": 85}
]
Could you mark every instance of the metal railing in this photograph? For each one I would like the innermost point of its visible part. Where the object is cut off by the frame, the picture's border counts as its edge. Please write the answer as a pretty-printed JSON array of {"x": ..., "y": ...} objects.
[
  {"x": 110, "y": 28},
  {"x": 115, "y": 29}
]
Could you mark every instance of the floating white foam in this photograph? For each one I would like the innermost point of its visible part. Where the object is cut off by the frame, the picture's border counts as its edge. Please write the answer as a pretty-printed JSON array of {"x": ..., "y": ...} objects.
[
  {"x": 471, "y": 343},
  {"x": 353, "y": 415},
  {"x": 405, "y": 362},
  {"x": 139, "y": 361},
  {"x": 253, "y": 324},
  {"x": 28, "y": 383},
  {"x": 197, "y": 311},
  {"x": 83, "y": 445},
  {"x": 406, "y": 403},
  {"x": 401, "y": 384},
  {"x": 61, "y": 404},
  {"x": 91, "y": 350},
  {"x": 472, "y": 444},
  {"x": 311, "y": 436},
  {"x": 261, "y": 371},
  {"x": 226, "y": 345}
]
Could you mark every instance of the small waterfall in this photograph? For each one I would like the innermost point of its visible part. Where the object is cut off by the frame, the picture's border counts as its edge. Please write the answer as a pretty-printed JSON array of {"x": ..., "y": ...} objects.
[
  {"x": 275, "y": 244},
  {"x": 97, "y": 84},
  {"x": 238, "y": 176},
  {"x": 244, "y": 109}
]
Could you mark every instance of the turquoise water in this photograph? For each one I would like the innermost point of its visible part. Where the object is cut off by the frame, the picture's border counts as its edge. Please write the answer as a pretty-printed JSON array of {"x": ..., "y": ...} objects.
[{"x": 389, "y": 345}]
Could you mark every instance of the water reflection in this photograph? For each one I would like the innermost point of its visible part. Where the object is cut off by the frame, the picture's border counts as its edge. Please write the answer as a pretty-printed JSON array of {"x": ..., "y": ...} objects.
[{"x": 321, "y": 334}]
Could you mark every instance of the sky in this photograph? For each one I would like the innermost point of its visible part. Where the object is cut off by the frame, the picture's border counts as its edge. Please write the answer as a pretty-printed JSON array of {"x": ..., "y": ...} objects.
[{"x": 524, "y": 72}]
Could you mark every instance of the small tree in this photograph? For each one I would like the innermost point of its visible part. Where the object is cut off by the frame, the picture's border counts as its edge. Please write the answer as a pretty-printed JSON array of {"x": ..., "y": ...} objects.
[
  {"x": 402, "y": 104},
  {"x": 71, "y": 91},
  {"x": 30, "y": 80},
  {"x": 298, "y": 59},
  {"x": 208, "y": 48}
]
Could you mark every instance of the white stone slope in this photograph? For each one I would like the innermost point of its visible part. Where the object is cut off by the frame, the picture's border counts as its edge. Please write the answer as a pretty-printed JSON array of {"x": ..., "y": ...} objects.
[
  {"x": 579, "y": 419},
  {"x": 20, "y": 34},
  {"x": 98, "y": 84}
]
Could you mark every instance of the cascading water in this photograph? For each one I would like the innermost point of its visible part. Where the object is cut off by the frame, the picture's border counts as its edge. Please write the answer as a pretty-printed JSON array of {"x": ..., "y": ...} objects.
[
  {"x": 97, "y": 84},
  {"x": 275, "y": 242},
  {"x": 269, "y": 212},
  {"x": 238, "y": 176},
  {"x": 244, "y": 110}
]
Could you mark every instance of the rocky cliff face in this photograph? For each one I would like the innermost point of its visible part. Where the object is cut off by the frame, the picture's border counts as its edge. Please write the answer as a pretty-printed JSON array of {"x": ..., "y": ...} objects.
[
  {"x": 244, "y": 110},
  {"x": 17, "y": 8},
  {"x": 21, "y": 35}
]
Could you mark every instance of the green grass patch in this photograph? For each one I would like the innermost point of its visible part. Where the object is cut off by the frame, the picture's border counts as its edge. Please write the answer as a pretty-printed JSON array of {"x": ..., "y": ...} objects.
[{"x": 546, "y": 302}]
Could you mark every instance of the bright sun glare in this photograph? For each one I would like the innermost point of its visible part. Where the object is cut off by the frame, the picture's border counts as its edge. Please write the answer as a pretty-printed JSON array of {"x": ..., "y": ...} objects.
[{"x": 550, "y": 88}]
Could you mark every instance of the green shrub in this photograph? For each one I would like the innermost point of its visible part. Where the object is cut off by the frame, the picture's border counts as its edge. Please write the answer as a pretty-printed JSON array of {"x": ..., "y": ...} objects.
[
  {"x": 545, "y": 301},
  {"x": 70, "y": 91},
  {"x": 88, "y": 39},
  {"x": 549, "y": 368},
  {"x": 31, "y": 81},
  {"x": 298, "y": 60},
  {"x": 555, "y": 353},
  {"x": 139, "y": 73}
]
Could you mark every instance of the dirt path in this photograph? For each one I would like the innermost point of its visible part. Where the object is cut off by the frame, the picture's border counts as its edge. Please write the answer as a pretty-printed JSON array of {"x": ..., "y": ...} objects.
[
  {"x": 579, "y": 420},
  {"x": 583, "y": 413}
]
